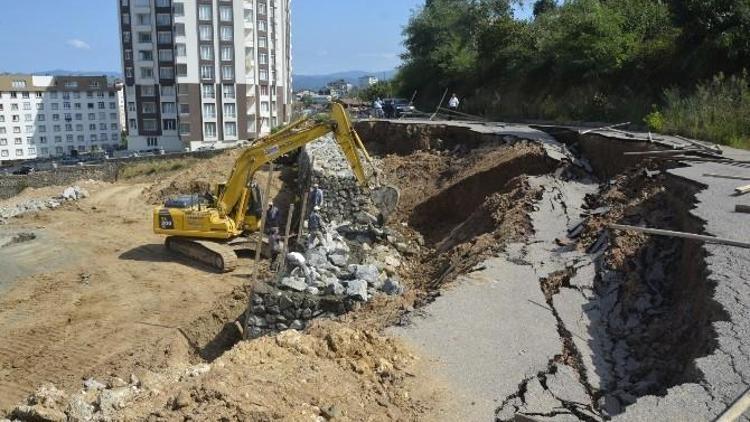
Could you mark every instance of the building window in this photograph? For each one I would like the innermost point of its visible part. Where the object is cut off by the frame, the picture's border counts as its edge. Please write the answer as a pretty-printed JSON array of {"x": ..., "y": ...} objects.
[
  {"x": 18, "y": 141},
  {"x": 207, "y": 52},
  {"x": 230, "y": 129},
  {"x": 226, "y": 33},
  {"x": 262, "y": 42},
  {"x": 18, "y": 84},
  {"x": 179, "y": 30},
  {"x": 227, "y": 53},
  {"x": 147, "y": 72},
  {"x": 148, "y": 91},
  {"x": 149, "y": 124},
  {"x": 164, "y": 37},
  {"x": 204, "y": 12},
  {"x": 152, "y": 142},
  {"x": 184, "y": 108},
  {"x": 225, "y": 13},
  {"x": 264, "y": 106},
  {"x": 101, "y": 105},
  {"x": 207, "y": 72},
  {"x": 4, "y": 153},
  {"x": 181, "y": 70},
  {"x": 263, "y": 58},
  {"x": 145, "y": 55},
  {"x": 262, "y": 25},
  {"x": 227, "y": 72},
  {"x": 162, "y": 3},
  {"x": 184, "y": 128},
  {"x": 230, "y": 110},
  {"x": 128, "y": 72},
  {"x": 263, "y": 74},
  {"x": 148, "y": 108},
  {"x": 210, "y": 129},
  {"x": 166, "y": 72},
  {"x": 205, "y": 33},
  {"x": 163, "y": 19},
  {"x": 180, "y": 50},
  {"x": 165, "y": 55},
  {"x": 143, "y": 19},
  {"x": 144, "y": 37},
  {"x": 126, "y": 36},
  {"x": 167, "y": 90},
  {"x": 168, "y": 108},
  {"x": 132, "y": 124},
  {"x": 92, "y": 116},
  {"x": 229, "y": 91},
  {"x": 3, "y": 141},
  {"x": 19, "y": 152},
  {"x": 208, "y": 91},
  {"x": 179, "y": 9},
  {"x": 126, "y": 18},
  {"x": 170, "y": 124},
  {"x": 42, "y": 139},
  {"x": 209, "y": 111}
]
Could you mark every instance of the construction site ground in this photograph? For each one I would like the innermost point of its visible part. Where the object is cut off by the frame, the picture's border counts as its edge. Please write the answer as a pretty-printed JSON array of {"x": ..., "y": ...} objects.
[{"x": 502, "y": 316}]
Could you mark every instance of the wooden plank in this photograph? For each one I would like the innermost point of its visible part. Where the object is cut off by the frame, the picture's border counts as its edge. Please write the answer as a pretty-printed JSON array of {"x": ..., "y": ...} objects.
[
  {"x": 602, "y": 128},
  {"x": 742, "y": 190},
  {"x": 440, "y": 104},
  {"x": 692, "y": 236},
  {"x": 742, "y": 208},
  {"x": 737, "y": 409},
  {"x": 722, "y": 176}
]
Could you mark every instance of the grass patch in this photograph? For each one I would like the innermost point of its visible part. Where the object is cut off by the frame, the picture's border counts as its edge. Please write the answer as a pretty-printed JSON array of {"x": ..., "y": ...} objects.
[
  {"x": 153, "y": 167},
  {"x": 716, "y": 111}
]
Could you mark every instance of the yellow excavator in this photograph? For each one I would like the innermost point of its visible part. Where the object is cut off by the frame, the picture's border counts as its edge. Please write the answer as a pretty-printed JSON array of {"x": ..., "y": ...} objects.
[{"x": 211, "y": 228}]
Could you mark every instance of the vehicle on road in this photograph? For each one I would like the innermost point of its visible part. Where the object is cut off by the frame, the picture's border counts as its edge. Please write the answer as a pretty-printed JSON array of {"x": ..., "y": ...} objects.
[
  {"x": 397, "y": 107},
  {"x": 24, "y": 170}
]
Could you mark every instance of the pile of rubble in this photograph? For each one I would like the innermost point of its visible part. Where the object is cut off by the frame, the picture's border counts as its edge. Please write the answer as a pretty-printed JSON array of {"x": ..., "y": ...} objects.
[{"x": 72, "y": 193}]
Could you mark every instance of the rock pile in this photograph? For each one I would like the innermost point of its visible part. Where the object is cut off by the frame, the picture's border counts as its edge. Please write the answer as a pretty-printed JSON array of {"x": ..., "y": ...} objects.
[
  {"x": 96, "y": 401},
  {"x": 72, "y": 193},
  {"x": 324, "y": 164}
]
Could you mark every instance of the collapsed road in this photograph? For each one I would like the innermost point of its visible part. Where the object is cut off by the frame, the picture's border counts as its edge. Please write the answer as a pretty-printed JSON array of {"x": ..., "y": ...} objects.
[{"x": 498, "y": 269}]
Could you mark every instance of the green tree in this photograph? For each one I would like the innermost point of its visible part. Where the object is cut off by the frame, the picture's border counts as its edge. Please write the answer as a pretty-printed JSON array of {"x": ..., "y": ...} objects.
[{"x": 543, "y": 6}]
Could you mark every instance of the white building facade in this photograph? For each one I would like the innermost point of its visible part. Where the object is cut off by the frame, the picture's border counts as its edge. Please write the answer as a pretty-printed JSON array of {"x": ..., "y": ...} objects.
[
  {"x": 204, "y": 72},
  {"x": 46, "y": 116},
  {"x": 367, "y": 81}
]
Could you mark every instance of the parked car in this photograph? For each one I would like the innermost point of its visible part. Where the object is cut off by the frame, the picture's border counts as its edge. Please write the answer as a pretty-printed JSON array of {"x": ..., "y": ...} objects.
[
  {"x": 24, "y": 170},
  {"x": 396, "y": 107}
]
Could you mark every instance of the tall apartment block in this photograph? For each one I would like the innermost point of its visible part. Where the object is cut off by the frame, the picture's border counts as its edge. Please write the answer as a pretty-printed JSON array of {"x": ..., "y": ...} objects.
[
  {"x": 204, "y": 72},
  {"x": 46, "y": 116}
]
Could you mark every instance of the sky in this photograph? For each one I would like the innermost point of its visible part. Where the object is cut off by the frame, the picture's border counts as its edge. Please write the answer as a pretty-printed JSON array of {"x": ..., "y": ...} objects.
[{"x": 82, "y": 35}]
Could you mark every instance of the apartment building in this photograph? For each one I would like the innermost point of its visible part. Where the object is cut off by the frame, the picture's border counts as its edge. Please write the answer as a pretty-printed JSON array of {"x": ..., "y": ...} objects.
[
  {"x": 46, "y": 116},
  {"x": 204, "y": 72}
]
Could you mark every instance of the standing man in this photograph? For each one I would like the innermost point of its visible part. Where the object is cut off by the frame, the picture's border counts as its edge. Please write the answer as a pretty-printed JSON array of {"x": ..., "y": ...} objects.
[
  {"x": 453, "y": 103},
  {"x": 314, "y": 226},
  {"x": 275, "y": 242},
  {"x": 378, "y": 106},
  {"x": 316, "y": 196},
  {"x": 272, "y": 217}
]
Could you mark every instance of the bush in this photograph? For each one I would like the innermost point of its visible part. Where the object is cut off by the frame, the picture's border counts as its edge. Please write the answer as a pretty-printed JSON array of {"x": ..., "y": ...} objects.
[
  {"x": 717, "y": 111},
  {"x": 655, "y": 121}
]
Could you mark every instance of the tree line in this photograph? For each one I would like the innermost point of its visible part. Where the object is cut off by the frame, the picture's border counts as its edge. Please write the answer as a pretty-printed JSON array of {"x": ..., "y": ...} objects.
[{"x": 660, "y": 63}]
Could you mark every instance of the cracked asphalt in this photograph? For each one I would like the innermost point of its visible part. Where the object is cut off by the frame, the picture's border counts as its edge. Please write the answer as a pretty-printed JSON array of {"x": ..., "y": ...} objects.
[{"x": 498, "y": 339}]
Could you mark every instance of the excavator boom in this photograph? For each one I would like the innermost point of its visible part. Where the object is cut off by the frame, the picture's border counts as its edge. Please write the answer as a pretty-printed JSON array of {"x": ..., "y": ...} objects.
[{"x": 227, "y": 218}]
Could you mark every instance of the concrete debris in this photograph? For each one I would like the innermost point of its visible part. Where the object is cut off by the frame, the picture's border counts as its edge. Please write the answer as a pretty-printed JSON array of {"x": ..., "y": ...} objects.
[
  {"x": 73, "y": 193},
  {"x": 294, "y": 283},
  {"x": 357, "y": 289}
]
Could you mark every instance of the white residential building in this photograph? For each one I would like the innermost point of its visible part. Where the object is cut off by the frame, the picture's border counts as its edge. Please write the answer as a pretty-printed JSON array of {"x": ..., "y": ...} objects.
[
  {"x": 46, "y": 116},
  {"x": 204, "y": 72},
  {"x": 367, "y": 81}
]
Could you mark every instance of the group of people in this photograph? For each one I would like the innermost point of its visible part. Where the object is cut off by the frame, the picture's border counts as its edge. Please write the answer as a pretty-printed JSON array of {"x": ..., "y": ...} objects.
[{"x": 314, "y": 221}]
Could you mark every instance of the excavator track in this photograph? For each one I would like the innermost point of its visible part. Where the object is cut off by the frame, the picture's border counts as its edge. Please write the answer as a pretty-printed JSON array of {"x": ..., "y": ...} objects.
[{"x": 219, "y": 256}]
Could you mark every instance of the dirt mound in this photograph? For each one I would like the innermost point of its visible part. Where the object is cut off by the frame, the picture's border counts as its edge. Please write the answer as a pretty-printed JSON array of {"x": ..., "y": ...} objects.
[{"x": 330, "y": 372}]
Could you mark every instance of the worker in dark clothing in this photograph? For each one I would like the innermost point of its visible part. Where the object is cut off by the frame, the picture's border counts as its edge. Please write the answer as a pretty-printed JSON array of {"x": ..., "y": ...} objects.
[
  {"x": 314, "y": 226},
  {"x": 273, "y": 217},
  {"x": 316, "y": 196},
  {"x": 275, "y": 242}
]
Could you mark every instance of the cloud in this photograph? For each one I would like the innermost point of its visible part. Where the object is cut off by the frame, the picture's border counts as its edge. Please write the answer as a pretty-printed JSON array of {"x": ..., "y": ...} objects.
[{"x": 79, "y": 44}]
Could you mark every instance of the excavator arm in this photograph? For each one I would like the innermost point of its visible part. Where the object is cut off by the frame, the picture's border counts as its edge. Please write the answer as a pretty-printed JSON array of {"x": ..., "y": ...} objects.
[{"x": 285, "y": 141}]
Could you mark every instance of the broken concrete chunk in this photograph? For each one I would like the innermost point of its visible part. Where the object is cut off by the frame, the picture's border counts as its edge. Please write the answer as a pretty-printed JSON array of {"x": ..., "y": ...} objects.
[
  {"x": 565, "y": 386},
  {"x": 335, "y": 288},
  {"x": 294, "y": 283},
  {"x": 92, "y": 384},
  {"x": 368, "y": 273},
  {"x": 392, "y": 287},
  {"x": 357, "y": 289}
]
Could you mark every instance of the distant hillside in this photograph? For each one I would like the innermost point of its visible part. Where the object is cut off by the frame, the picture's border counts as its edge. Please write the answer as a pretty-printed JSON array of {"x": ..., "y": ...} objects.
[{"x": 315, "y": 82}]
